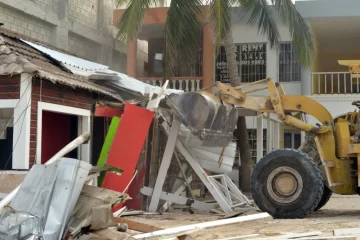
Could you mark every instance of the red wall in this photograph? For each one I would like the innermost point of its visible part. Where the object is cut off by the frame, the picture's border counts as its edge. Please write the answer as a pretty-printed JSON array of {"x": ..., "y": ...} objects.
[
  {"x": 55, "y": 134},
  {"x": 10, "y": 87}
]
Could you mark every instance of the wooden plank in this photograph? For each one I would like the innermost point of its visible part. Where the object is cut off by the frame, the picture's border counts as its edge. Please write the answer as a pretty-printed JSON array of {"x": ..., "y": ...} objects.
[
  {"x": 165, "y": 164},
  {"x": 170, "y": 197},
  {"x": 136, "y": 226},
  {"x": 346, "y": 231},
  {"x": 200, "y": 226}
]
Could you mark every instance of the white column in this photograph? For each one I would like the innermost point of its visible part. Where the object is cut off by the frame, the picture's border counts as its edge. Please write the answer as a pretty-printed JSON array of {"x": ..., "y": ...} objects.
[
  {"x": 22, "y": 121},
  {"x": 84, "y": 125},
  {"x": 306, "y": 76},
  {"x": 276, "y": 135},
  {"x": 306, "y": 82},
  {"x": 272, "y": 63},
  {"x": 259, "y": 138},
  {"x": 269, "y": 129}
]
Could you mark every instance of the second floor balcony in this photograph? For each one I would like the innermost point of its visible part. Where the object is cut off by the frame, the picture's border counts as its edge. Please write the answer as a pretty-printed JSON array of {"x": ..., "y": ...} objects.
[{"x": 335, "y": 83}]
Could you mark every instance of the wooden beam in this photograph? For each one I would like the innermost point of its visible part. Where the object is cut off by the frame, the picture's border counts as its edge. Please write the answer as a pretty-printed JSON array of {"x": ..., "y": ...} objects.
[{"x": 136, "y": 226}]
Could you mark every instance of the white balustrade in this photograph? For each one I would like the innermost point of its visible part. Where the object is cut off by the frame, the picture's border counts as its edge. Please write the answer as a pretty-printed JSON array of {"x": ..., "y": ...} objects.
[
  {"x": 185, "y": 85},
  {"x": 335, "y": 83}
]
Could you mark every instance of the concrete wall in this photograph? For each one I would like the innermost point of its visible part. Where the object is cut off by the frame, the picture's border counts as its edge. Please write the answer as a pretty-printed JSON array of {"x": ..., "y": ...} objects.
[
  {"x": 83, "y": 47},
  {"x": 84, "y": 11},
  {"x": 24, "y": 24},
  {"x": 81, "y": 27}
]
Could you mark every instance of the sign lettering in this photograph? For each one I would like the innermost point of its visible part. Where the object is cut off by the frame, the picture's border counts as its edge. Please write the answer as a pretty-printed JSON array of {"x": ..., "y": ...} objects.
[{"x": 253, "y": 54}]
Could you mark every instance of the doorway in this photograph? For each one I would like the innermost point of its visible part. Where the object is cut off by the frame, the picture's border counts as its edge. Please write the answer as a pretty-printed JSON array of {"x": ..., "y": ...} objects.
[
  {"x": 62, "y": 124},
  {"x": 58, "y": 130}
]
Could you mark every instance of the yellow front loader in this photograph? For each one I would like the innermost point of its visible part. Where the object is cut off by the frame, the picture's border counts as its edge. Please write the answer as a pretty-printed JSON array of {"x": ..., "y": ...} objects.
[{"x": 286, "y": 183}]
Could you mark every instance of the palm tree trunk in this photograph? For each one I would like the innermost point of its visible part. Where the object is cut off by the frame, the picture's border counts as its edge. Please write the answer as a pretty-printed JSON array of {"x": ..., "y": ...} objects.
[{"x": 241, "y": 132}]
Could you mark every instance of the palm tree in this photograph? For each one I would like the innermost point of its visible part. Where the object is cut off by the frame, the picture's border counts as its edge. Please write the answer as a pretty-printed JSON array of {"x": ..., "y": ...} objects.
[{"x": 184, "y": 27}]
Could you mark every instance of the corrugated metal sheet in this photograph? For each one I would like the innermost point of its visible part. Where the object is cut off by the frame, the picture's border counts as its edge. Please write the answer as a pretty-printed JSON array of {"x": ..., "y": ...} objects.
[
  {"x": 86, "y": 68},
  {"x": 17, "y": 57},
  {"x": 68, "y": 60}
]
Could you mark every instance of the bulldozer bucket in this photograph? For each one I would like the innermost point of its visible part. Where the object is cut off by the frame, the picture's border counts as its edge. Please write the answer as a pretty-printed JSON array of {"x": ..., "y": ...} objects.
[{"x": 211, "y": 122}]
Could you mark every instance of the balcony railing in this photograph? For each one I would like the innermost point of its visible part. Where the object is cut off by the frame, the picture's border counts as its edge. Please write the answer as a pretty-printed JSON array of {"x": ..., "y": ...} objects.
[
  {"x": 335, "y": 83},
  {"x": 190, "y": 84}
]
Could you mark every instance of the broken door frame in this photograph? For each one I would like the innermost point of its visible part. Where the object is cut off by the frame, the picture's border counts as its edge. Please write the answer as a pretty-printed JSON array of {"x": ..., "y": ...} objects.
[{"x": 84, "y": 125}]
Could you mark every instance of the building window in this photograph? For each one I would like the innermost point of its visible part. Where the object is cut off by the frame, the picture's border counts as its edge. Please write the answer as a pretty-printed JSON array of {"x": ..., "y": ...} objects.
[
  {"x": 253, "y": 143},
  {"x": 250, "y": 60},
  {"x": 289, "y": 65},
  {"x": 292, "y": 139},
  {"x": 221, "y": 69},
  {"x": 253, "y": 62}
]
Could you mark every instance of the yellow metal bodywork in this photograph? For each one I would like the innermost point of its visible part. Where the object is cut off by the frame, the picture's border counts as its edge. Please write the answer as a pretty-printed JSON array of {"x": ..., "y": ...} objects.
[{"x": 333, "y": 140}]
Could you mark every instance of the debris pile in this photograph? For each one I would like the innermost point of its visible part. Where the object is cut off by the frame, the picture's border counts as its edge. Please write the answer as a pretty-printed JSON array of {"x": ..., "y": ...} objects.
[{"x": 54, "y": 202}]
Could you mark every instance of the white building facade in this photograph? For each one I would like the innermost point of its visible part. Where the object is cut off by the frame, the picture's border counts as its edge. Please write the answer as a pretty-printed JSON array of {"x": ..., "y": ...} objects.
[{"x": 335, "y": 26}]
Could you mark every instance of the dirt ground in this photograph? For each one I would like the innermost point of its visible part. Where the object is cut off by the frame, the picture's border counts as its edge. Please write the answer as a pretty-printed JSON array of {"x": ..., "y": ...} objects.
[{"x": 339, "y": 212}]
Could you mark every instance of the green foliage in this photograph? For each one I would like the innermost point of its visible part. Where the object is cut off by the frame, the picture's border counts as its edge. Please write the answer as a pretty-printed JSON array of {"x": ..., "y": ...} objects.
[{"x": 186, "y": 17}]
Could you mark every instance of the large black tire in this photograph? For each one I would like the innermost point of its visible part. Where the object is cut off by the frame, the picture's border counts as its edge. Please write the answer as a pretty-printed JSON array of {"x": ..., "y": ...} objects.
[
  {"x": 287, "y": 183},
  {"x": 325, "y": 198}
]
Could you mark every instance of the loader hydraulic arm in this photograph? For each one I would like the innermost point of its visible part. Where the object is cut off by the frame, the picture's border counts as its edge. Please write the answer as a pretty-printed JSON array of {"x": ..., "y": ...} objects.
[
  {"x": 283, "y": 105},
  {"x": 279, "y": 103}
]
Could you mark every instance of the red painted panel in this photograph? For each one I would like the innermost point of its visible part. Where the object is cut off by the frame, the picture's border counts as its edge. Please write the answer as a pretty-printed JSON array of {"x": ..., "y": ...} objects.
[
  {"x": 55, "y": 134},
  {"x": 134, "y": 191},
  {"x": 127, "y": 145},
  {"x": 108, "y": 112}
]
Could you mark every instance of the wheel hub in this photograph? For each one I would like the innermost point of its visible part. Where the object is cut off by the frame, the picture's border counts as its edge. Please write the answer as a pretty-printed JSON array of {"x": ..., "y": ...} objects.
[{"x": 284, "y": 184}]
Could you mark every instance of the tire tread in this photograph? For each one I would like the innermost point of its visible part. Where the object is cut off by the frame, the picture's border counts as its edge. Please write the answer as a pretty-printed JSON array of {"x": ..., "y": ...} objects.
[{"x": 318, "y": 174}]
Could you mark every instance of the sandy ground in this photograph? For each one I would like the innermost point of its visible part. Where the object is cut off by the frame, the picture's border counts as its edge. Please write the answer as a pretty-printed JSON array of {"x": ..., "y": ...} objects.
[{"x": 340, "y": 212}]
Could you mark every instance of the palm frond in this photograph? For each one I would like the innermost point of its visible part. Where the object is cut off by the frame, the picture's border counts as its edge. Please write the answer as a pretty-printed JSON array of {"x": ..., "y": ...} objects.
[
  {"x": 182, "y": 33},
  {"x": 128, "y": 24},
  {"x": 304, "y": 43},
  {"x": 220, "y": 17},
  {"x": 260, "y": 13}
]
